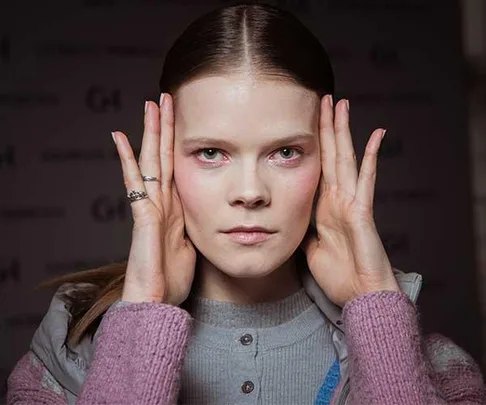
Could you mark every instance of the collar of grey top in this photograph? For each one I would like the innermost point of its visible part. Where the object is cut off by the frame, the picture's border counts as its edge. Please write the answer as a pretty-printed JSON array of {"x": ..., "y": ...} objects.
[
  {"x": 68, "y": 365},
  {"x": 256, "y": 315}
]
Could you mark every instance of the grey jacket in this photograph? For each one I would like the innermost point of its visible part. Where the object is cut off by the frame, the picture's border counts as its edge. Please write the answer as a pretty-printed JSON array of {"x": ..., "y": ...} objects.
[{"x": 69, "y": 366}]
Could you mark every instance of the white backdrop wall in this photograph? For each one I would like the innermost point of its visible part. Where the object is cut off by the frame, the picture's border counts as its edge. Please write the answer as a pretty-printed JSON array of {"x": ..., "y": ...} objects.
[{"x": 72, "y": 71}]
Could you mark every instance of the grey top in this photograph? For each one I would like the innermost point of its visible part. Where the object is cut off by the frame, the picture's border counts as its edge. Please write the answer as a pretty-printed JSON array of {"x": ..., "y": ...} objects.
[{"x": 265, "y": 353}]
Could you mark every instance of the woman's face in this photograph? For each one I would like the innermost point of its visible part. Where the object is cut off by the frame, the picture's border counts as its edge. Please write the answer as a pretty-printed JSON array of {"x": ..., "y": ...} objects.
[{"x": 246, "y": 154}]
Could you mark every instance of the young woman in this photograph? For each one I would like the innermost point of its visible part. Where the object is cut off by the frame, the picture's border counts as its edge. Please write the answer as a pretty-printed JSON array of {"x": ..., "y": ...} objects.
[{"x": 230, "y": 295}]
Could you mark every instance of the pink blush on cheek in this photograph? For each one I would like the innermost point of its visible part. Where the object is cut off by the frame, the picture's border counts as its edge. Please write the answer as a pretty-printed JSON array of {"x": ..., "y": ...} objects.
[
  {"x": 297, "y": 195},
  {"x": 193, "y": 191},
  {"x": 183, "y": 178},
  {"x": 303, "y": 184}
]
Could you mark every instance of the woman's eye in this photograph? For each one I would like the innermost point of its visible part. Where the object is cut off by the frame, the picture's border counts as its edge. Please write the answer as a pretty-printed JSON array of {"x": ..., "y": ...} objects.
[
  {"x": 207, "y": 153},
  {"x": 290, "y": 155},
  {"x": 287, "y": 153},
  {"x": 215, "y": 155}
]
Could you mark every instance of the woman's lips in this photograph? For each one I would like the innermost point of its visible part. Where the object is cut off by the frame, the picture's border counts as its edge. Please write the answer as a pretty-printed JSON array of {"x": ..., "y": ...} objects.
[{"x": 248, "y": 238}]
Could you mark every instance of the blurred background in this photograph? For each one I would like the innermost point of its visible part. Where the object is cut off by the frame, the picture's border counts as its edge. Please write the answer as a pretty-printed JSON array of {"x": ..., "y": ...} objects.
[{"x": 73, "y": 71}]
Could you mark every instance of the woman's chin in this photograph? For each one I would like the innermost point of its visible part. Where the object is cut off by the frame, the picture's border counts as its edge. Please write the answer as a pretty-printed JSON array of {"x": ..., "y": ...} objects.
[
  {"x": 246, "y": 272},
  {"x": 254, "y": 265}
]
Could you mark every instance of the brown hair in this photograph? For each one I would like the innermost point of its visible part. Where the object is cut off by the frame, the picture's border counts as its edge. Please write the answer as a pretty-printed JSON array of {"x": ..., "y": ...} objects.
[{"x": 273, "y": 44}]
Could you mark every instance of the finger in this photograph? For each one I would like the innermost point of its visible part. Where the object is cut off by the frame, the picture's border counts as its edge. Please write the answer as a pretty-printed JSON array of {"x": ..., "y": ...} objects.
[
  {"x": 327, "y": 142},
  {"x": 167, "y": 142},
  {"x": 149, "y": 160},
  {"x": 365, "y": 189},
  {"x": 346, "y": 169},
  {"x": 131, "y": 172}
]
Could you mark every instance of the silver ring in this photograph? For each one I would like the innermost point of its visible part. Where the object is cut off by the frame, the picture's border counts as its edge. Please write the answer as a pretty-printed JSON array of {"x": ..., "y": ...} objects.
[
  {"x": 136, "y": 195},
  {"x": 150, "y": 178}
]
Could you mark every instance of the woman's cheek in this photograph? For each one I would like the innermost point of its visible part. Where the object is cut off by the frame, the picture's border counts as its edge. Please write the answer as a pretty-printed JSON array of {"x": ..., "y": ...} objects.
[
  {"x": 197, "y": 197},
  {"x": 186, "y": 184},
  {"x": 302, "y": 185}
]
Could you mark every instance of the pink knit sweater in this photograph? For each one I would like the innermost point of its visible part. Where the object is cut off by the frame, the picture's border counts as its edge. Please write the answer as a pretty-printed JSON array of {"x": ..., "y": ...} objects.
[{"x": 141, "y": 349}]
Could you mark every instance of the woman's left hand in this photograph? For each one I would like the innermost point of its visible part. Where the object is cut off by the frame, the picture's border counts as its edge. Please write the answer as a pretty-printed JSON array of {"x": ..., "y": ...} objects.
[{"x": 346, "y": 257}]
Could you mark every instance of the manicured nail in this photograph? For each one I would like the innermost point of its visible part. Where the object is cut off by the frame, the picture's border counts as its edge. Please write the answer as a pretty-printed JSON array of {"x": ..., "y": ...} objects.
[
  {"x": 161, "y": 99},
  {"x": 146, "y": 106},
  {"x": 113, "y": 136}
]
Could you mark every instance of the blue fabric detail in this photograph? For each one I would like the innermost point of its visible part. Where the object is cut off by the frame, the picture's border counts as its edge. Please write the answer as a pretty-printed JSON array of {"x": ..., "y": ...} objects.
[{"x": 330, "y": 383}]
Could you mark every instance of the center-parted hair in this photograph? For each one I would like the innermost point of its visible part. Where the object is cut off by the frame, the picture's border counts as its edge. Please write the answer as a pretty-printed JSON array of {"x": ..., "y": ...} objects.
[{"x": 249, "y": 38}]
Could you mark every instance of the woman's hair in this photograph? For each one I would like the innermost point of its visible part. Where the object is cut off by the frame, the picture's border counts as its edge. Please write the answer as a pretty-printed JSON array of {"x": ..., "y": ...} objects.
[{"x": 261, "y": 39}]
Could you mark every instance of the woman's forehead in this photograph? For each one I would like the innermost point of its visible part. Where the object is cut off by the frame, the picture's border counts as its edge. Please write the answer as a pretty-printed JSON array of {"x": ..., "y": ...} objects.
[
  {"x": 223, "y": 102},
  {"x": 241, "y": 88}
]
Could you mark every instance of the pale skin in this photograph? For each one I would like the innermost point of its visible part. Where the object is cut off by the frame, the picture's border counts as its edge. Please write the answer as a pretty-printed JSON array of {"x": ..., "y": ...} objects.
[
  {"x": 238, "y": 161},
  {"x": 252, "y": 182}
]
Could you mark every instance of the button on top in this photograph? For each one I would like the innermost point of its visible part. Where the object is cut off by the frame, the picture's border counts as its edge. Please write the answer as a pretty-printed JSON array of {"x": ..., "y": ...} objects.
[
  {"x": 246, "y": 339},
  {"x": 247, "y": 387}
]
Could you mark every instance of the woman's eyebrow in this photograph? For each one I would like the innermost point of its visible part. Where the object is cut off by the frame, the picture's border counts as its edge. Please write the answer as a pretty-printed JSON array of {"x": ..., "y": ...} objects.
[{"x": 225, "y": 144}]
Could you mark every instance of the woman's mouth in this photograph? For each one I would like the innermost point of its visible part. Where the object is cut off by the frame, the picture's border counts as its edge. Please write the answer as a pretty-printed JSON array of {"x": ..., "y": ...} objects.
[{"x": 249, "y": 238}]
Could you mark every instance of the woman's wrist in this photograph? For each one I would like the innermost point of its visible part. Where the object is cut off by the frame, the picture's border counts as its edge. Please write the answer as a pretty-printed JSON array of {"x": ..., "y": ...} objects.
[
  {"x": 388, "y": 285},
  {"x": 138, "y": 298}
]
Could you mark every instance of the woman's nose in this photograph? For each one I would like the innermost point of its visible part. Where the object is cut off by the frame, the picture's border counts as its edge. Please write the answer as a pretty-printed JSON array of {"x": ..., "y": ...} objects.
[{"x": 249, "y": 190}]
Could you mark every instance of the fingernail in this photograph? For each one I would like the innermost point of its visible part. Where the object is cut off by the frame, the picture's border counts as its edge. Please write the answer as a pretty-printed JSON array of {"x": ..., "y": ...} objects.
[
  {"x": 383, "y": 135},
  {"x": 161, "y": 99},
  {"x": 329, "y": 98},
  {"x": 113, "y": 136},
  {"x": 146, "y": 106},
  {"x": 347, "y": 104}
]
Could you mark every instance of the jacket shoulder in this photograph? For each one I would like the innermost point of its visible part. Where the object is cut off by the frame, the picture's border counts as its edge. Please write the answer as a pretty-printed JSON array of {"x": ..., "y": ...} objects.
[{"x": 67, "y": 365}]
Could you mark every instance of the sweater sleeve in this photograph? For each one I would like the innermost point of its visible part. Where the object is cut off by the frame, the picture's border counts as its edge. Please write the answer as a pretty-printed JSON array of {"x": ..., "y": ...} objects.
[
  {"x": 138, "y": 358},
  {"x": 391, "y": 364},
  {"x": 30, "y": 383}
]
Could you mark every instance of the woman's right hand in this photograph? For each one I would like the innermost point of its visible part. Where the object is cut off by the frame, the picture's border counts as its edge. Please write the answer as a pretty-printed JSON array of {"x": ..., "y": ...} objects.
[{"x": 162, "y": 260}]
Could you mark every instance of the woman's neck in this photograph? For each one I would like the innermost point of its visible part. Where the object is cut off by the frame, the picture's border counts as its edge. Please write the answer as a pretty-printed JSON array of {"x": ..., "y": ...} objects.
[{"x": 212, "y": 283}]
